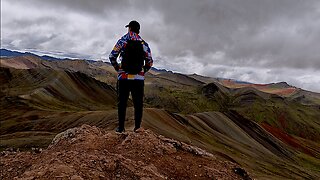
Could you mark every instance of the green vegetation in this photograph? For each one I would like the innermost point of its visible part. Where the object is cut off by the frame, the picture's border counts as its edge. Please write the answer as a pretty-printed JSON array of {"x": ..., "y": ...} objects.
[
  {"x": 26, "y": 140},
  {"x": 186, "y": 100}
]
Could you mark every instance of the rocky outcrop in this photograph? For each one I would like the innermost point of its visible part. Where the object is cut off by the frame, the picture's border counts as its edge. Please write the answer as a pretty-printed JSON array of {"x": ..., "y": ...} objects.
[{"x": 88, "y": 152}]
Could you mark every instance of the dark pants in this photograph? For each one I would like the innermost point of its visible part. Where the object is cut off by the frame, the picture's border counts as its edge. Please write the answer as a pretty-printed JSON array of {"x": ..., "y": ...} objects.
[{"x": 136, "y": 87}]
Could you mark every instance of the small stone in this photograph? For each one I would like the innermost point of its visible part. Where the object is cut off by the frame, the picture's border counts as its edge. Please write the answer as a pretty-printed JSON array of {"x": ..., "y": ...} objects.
[
  {"x": 76, "y": 177},
  {"x": 101, "y": 176},
  {"x": 30, "y": 178},
  {"x": 200, "y": 166},
  {"x": 118, "y": 175}
]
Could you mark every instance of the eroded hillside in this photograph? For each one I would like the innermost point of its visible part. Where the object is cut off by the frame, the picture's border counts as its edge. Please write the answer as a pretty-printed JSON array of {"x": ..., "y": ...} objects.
[{"x": 263, "y": 129}]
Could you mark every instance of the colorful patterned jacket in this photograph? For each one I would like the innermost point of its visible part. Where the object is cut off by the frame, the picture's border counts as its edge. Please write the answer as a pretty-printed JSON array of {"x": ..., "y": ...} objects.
[{"x": 119, "y": 49}]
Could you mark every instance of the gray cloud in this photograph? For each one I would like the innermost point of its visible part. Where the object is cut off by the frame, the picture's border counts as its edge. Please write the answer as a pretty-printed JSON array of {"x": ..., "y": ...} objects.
[{"x": 230, "y": 38}]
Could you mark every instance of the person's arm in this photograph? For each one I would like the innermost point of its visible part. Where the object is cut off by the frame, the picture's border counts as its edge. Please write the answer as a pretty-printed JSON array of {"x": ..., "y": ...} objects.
[
  {"x": 115, "y": 53},
  {"x": 148, "y": 59}
]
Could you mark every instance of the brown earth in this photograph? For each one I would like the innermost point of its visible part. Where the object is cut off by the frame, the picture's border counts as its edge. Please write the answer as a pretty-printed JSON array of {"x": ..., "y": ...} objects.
[{"x": 88, "y": 152}]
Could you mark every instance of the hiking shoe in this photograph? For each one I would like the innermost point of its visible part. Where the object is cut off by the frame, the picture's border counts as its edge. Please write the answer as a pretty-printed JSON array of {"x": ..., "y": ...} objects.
[{"x": 120, "y": 130}]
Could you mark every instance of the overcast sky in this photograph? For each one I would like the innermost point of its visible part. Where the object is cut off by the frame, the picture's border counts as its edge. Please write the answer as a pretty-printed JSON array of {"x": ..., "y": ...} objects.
[{"x": 260, "y": 41}]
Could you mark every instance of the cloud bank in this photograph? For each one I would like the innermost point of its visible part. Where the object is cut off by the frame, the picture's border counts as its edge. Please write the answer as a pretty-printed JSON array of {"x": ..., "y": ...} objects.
[{"x": 252, "y": 40}]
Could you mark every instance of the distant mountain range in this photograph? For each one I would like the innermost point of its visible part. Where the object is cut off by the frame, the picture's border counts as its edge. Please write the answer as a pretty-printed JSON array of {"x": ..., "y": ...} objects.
[{"x": 9, "y": 53}]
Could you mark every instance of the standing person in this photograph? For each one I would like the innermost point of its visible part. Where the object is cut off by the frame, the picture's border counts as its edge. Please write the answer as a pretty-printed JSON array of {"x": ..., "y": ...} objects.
[{"x": 136, "y": 60}]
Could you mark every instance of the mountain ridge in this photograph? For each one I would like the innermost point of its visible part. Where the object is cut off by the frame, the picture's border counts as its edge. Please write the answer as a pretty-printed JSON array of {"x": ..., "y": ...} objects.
[
  {"x": 10, "y": 53},
  {"x": 204, "y": 79}
]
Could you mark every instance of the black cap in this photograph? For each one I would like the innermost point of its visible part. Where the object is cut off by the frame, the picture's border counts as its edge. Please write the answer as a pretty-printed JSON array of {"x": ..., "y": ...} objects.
[{"x": 134, "y": 25}]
